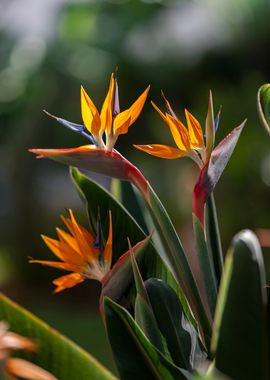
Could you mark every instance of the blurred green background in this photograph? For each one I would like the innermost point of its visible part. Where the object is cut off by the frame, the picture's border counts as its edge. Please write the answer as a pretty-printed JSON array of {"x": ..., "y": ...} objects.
[{"x": 48, "y": 48}]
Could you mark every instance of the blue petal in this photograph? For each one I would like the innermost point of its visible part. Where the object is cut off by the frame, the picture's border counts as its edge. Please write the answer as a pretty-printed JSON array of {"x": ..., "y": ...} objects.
[
  {"x": 98, "y": 243},
  {"x": 79, "y": 128},
  {"x": 217, "y": 118}
]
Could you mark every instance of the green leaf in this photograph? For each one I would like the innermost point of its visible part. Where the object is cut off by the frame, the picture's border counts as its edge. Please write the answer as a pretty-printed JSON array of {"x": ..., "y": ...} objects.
[
  {"x": 206, "y": 264},
  {"x": 57, "y": 354},
  {"x": 128, "y": 196},
  {"x": 135, "y": 356},
  {"x": 180, "y": 335},
  {"x": 263, "y": 102},
  {"x": 178, "y": 263},
  {"x": 144, "y": 315},
  {"x": 213, "y": 237},
  {"x": 239, "y": 339},
  {"x": 213, "y": 374}
]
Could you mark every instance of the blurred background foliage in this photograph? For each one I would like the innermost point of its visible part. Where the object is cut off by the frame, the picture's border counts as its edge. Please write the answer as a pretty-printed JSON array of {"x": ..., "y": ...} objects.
[{"x": 48, "y": 48}]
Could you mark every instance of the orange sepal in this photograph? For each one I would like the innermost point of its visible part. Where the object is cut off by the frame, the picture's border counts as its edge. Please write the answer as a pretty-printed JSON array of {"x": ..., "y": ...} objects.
[
  {"x": 90, "y": 115},
  {"x": 106, "y": 110},
  {"x": 23, "y": 369},
  {"x": 58, "y": 265},
  {"x": 195, "y": 131},
  {"x": 67, "y": 281},
  {"x": 179, "y": 133},
  {"x": 126, "y": 118},
  {"x": 162, "y": 151}
]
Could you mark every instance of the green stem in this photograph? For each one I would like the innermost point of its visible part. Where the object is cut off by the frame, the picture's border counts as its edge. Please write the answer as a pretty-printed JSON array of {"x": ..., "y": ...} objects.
[
  {"x": 206, "y": 265},
  {"x": 213, "y": 237}
]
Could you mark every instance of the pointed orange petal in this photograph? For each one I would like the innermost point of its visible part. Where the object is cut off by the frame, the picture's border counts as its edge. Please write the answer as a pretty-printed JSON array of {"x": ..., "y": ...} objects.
[
  {"x": 137, "y": 106},
  {"x": 108, "y": 248},
  {"x": 90, "y": 115},
  {"x": 120, "y": 123},
  {"x": 88, "y": 236},
  {"x": 86, "y": 249},
  {"x": 23, "y": 369},
  {"x": 68, "y": 240},
  {"x": 67, "y": 281},
  {"x": 12, "y": 341},
  {"x": 63, "y": 250},
  {"x": 106, "y": 110},
  {"x": 58, "y": 265},
  {"x": 179, "y": 133},
  {"x": 162, "y": 151},
  {"x": 177, "y": 128},
  {"x": 54, "y": 245},
  {"x": 195, "y": 131},
  {"x": 160, "y": 112}
]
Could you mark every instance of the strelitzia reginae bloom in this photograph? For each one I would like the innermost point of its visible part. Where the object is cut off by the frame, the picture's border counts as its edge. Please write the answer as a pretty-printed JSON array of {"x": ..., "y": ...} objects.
[
  {"x": 102, "y": 129},
  {"x": 17, "y": 367},
  {"x": 86, "y": 256},
  {"x": 109, "y": 121},
  {"x": 191, "y": 141}
]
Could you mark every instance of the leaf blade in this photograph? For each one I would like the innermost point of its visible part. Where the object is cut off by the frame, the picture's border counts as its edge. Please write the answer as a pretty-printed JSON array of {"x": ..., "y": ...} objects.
[
  {"x": 263, "y": 104},
  {"x": 140, "y": 358},
  {"x": 54, "y": 346},
  {"x": 239, "y": 337}
]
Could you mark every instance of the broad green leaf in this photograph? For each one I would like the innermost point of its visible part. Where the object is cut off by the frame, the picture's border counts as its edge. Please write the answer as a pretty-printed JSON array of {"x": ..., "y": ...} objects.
[
  {"x": 263, "y": 102},
  {"x": 239, "y": 341},
  {"x": 177, "y": 262},
  {"x": 213, "y": 237},
  {"x": 57, "y": 354},
  {"x": 135, "y": 356},
  {"x": 180, "y": 335},
  {"x": 144, "y": 315},
  {"x": 129, "y": 198},
  {"x": 206, "y": 264}
]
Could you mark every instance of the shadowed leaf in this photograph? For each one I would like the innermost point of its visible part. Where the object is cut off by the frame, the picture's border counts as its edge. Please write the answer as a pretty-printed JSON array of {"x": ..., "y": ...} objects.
[{"x": 239, "y": 339}]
